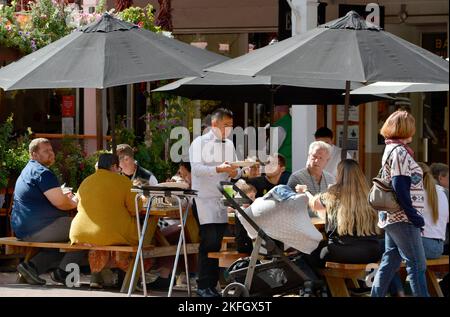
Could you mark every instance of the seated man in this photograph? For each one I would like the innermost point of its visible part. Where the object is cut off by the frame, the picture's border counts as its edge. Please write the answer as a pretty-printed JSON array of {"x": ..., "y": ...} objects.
[
  {"x": 326, "y": 135},
  {"x": 39, "y": 215},
  {"x": 130, "y": 167},
  {"x": 106, "y": 215},
  {"x": 313, "y": 175},
  {"x": 275, "y": 174}
]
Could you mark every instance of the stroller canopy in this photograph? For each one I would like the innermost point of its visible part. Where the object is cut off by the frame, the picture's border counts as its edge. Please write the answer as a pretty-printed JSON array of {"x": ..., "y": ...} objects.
[{"x": 286, "y": 220}]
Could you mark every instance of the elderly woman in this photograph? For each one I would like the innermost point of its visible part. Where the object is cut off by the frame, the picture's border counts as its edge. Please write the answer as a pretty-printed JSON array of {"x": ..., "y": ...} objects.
[
  {"x": 402, "y": 228},
  {"x": 106, "y": 215}
]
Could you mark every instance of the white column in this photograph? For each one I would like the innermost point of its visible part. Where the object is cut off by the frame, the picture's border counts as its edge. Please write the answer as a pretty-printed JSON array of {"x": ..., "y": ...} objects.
[{"x": 304, "y": 117}]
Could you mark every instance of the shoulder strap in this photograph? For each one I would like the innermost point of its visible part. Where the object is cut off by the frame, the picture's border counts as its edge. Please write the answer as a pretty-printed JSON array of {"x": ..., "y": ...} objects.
[{"x": 387, "y": 159}]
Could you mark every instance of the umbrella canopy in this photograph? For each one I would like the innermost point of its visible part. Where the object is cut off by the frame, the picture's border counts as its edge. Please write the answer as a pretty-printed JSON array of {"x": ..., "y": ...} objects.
[
  {"x": 387, "y": 87},
  {"x": 217, "y": 86},
  {"x": 107, "y": 53},
  {"x": 347, "y": 49}
]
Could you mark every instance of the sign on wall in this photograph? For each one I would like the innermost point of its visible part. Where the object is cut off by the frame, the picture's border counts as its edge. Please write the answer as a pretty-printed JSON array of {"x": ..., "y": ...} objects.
[{"x": 68, "y": 106}]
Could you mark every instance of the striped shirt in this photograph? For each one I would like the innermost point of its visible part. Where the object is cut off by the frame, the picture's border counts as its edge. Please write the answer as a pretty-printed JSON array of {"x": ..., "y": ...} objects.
[{"x": 402, "y": 163}]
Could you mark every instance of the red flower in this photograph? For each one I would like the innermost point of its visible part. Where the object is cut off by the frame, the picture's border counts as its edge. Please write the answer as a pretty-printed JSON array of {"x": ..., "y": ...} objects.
[{"x": 140, "y": 24}]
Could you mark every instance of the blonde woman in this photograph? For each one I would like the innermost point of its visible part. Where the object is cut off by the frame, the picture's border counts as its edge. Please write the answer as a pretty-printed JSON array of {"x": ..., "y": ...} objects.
[
  {"x": 435, "y": 215},
  {"x": 350, "y": 223}
]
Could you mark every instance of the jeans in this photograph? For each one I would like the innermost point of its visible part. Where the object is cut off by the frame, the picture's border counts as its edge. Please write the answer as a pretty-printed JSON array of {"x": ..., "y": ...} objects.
[
  {"x": 396, "y": 286},
  {"x": 403, "y": 241},
  {"x": 433, "y": 248},
  {"x": 46, "y": 259}
]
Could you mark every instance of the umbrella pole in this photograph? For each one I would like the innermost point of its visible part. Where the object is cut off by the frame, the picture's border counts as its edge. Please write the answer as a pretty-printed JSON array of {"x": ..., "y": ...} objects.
[
  {"x": 271, "y": 111},
  {"x": 272, "y": 94},
  {"x": 112, "y": 119},
  {"x": 345, "y": 131},
  {"x": 99, "y": 118}
]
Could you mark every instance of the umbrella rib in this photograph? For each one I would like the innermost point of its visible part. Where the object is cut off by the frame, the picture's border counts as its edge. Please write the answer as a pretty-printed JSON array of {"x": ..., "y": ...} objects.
[
  {"x": 360, "y": 61},
  {"x": 187, "y": 64},
  {"x": 403, "y": 43}
]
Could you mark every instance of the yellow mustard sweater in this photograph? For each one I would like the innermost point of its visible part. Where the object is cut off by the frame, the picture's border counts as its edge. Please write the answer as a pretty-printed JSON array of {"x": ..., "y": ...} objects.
[{"x": 106, "y": 211}]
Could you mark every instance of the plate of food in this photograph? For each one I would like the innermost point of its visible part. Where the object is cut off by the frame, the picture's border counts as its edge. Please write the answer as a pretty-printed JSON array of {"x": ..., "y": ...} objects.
[
  {"x": 182, "y": 185},
  {"x": 243, "y": 163}
]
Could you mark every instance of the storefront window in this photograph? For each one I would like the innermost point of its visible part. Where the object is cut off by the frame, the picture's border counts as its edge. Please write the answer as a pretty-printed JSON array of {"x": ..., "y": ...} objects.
[{"x": 40, "y": 109}]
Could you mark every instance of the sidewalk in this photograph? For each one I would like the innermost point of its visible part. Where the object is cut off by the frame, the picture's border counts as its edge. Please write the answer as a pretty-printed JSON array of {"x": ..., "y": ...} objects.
[{"x": 10, "y": 288}]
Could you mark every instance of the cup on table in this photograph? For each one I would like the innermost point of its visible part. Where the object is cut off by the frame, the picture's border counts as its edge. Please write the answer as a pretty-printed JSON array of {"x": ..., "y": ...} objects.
[{"x": 229, "y": 190}]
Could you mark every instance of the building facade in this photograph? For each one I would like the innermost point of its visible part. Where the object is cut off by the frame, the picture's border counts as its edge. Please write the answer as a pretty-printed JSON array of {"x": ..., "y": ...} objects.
[{"x": 235, "y": 27}]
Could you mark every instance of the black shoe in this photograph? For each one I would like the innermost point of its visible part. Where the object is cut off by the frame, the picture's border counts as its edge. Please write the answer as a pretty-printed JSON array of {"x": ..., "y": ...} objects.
[
  {"x": 30, "y": 275},
  {"x": 207, "y": 292},
  {"x": 59, "y": 276},
  {"x": 160, "y": 284},
  {"x": 96, "y": 281}
]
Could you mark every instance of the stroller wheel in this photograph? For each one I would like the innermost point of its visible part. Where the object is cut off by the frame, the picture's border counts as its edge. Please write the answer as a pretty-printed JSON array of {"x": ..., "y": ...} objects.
[{"x": 235, "y": 290}]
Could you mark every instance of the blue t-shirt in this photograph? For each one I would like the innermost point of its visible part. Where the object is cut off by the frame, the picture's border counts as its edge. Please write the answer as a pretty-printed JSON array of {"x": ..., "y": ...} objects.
[{"x": 32, "y": 211}]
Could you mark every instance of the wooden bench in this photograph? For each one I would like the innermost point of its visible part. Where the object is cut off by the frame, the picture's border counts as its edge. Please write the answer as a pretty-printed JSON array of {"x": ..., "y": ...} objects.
[
  {"x": 149, "y": 251},
  {"x": 226, "y": 241},
  {"x": 226, "y": 255},
  {"x": 339, "y": 275},
  {"x": 226, "y": 258}
]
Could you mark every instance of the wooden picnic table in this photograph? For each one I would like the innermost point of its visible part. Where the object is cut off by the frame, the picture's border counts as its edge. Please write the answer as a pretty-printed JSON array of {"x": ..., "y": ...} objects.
[{"x": 153, "y": 231}]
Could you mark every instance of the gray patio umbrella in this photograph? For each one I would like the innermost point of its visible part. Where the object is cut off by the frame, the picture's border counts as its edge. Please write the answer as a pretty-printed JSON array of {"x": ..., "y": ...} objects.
[
  {"x": 348, "y": 49},
  {"x": 104, "y": 54},
  {"x": 238, "y": 88}
]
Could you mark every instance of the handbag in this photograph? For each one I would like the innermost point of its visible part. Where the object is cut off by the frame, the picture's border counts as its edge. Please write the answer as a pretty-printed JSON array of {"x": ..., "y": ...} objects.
[{"x": 382, "y": 196}]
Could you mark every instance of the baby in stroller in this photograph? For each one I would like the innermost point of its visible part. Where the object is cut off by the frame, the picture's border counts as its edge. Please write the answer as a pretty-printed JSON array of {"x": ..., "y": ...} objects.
[{"x": 280, "y": 215}]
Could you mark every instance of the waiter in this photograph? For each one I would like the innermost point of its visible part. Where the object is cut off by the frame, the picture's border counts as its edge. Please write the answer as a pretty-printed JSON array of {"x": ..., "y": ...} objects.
[{"x": 210, "y": 155}]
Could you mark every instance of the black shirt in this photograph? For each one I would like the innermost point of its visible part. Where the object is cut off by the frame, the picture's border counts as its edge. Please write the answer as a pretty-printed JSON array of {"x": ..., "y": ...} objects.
[
  {"x": 262, "y": 185},
  {"x": 141, "y": 173}
]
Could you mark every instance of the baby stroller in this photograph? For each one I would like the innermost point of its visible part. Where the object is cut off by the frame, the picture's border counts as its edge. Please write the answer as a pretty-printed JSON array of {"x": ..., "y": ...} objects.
[{"x": 280, "y": 275}]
